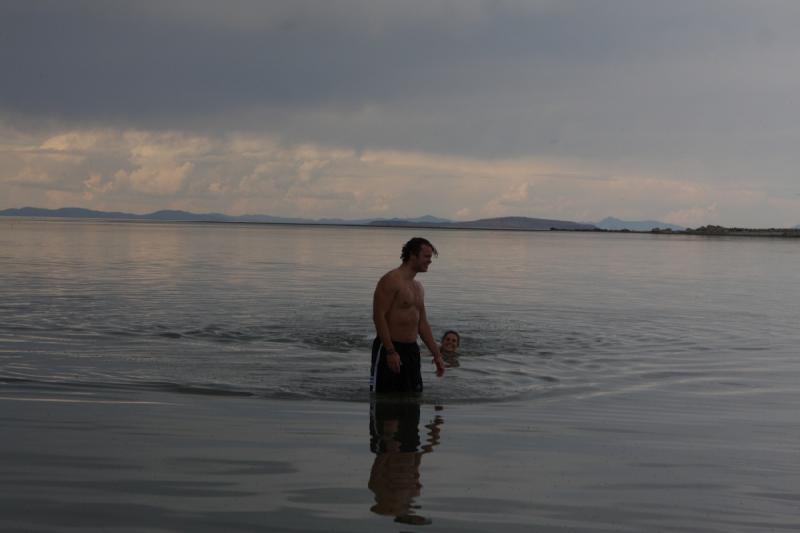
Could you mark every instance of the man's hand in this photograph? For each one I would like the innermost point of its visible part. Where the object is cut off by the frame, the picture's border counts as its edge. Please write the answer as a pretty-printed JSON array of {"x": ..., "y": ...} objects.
[
  {"x": 393, "y": 360},
  {"x": 439, "y": 362}
]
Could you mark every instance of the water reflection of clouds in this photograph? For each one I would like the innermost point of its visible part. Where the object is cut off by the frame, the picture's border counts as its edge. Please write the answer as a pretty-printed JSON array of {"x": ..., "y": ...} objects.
[{"x": 395, "y": 439}]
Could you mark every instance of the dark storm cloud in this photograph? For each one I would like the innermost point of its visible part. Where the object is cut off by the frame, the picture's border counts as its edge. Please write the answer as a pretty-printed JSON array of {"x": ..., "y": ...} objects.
[
  {"x": 486, "y": 78},
  {"x": 110, "y": 60},
  {"x": 103, "y": 62}
]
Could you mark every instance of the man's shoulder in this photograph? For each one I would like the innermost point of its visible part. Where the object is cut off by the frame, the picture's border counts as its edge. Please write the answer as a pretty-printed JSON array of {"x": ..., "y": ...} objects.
[
  {"x": 390, "y": 278},
  {"x": 396, "y": 280}
]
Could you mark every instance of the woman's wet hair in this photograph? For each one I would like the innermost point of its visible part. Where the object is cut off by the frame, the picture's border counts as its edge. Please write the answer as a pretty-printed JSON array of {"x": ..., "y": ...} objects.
[
  {"x": 448, "y": 332},
  {"x": 414, "y": 246}
]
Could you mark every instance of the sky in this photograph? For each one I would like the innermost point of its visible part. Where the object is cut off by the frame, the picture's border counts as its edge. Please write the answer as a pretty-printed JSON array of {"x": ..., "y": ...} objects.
[{"x": 683, "y": 111}]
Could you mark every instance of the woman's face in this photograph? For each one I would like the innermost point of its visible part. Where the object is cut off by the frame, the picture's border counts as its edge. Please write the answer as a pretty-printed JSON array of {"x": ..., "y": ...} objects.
[{"x": 450, "y": 343}]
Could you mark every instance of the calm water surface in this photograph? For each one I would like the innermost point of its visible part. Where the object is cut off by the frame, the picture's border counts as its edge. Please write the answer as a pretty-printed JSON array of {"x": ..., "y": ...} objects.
[
  {"x": 607, "y": 381},
  {"x": 281, "y": 311}
]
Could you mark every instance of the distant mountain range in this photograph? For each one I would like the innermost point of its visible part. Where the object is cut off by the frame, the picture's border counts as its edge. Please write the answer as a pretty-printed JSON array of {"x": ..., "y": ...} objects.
[
  {"x": 611, "y": 223},
  {"x": 518, "y": 223},
  {"x": 165, "y": 215}
]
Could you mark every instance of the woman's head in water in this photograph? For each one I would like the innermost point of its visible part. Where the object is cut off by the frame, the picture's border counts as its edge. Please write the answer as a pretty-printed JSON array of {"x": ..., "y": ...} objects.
[{"x": 450, "y": 341}]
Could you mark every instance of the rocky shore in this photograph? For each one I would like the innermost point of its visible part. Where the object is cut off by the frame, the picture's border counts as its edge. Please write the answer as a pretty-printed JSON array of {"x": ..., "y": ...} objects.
[{"x": 735, "y": 232}]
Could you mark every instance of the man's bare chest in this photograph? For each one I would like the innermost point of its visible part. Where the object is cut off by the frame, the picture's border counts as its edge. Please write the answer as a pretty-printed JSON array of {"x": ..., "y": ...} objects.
[{"x": 407, "y": 297}]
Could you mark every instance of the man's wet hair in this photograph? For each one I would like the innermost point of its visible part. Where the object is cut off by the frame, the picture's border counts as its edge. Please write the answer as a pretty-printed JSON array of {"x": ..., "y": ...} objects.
[{"x": 414, "y": 246}]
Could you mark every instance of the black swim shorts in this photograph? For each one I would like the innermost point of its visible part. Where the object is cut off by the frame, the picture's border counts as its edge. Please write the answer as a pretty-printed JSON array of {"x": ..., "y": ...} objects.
[{"x": 382, "y": 379}]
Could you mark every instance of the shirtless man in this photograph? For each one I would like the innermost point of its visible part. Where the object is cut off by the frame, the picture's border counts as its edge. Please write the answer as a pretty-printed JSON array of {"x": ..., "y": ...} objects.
[{"x": 398, "y": 310}]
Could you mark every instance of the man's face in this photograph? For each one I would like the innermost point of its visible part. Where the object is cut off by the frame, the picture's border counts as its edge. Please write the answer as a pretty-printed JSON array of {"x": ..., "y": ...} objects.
[{"x": 423, "y": 260}]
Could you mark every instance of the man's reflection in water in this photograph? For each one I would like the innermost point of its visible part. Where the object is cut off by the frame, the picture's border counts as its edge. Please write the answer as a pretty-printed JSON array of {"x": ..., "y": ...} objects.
[{"x": 395, "y": 439}]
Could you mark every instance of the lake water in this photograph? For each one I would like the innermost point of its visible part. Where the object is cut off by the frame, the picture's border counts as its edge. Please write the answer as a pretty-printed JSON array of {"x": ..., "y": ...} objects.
[{"x": 608, "y": 382}]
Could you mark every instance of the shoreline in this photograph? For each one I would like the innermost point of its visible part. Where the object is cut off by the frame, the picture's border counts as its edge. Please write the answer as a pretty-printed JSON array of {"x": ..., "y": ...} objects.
[{"x": 706, "y": 231}]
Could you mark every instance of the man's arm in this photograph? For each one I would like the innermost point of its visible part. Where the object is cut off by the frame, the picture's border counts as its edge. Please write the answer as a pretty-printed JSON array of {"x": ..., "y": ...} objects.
[
  {"x": 381, "y": 304},
  {"x": 427, "y": 335}
]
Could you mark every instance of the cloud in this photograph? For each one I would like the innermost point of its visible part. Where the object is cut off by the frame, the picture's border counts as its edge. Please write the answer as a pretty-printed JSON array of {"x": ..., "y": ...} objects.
[
  {"x": 259, "y": 173},
  {"x": 155, "y": 179},
  {"x": 96, "y": 185},
  {"x": 603, "y": 80},
  {"x": 513, "y": 199},
  {"x": 55, "y": 198},
  {"x": 31, "y": 176},
  {"x": 78, "y": 142},
  {"x": 565, "y": 109}
]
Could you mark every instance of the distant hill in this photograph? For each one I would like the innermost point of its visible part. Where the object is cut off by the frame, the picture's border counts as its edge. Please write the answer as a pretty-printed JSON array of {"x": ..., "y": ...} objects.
[
  {"x": 519, "y": 223},
  {"x": 66, "y": 212},
  {"x": 185, "y": 216},
  {"x": 427, "y": 221},
  {"x": 165, "y": 215},
  {"x": 611, "y": 223}
]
